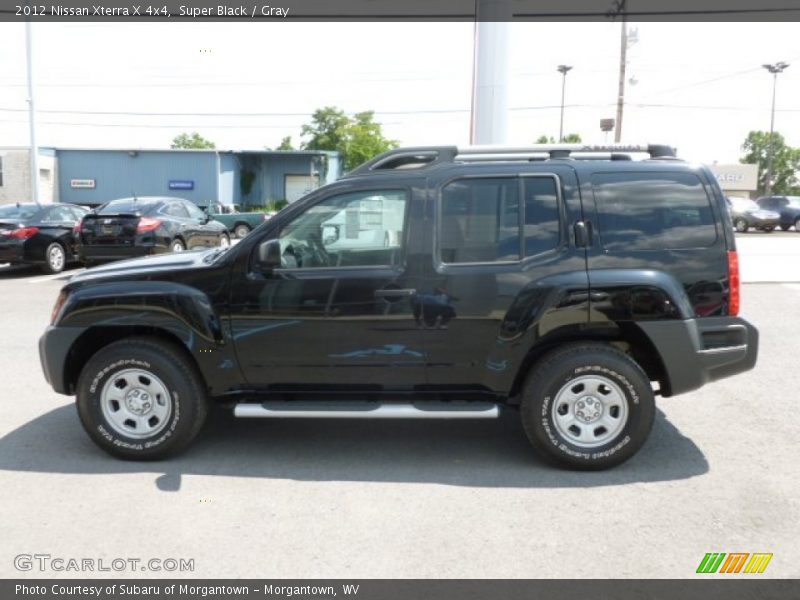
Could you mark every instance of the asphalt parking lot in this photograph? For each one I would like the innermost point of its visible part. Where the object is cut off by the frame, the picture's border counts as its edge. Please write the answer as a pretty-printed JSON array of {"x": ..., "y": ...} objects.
[{"x": 414, "y": 499}]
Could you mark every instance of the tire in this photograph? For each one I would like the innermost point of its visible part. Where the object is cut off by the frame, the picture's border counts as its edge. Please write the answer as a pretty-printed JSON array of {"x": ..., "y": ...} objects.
[
  {"x": 177, "y": 245},
  {"x": 241, "y": 230},
  {"x": 160, "y": 382},
  {"x": 55, "y": 258},
  {"x": 619, "y": 400},
  {"x": 740, "y": 225},
  {"x": 224, "y": 240}
]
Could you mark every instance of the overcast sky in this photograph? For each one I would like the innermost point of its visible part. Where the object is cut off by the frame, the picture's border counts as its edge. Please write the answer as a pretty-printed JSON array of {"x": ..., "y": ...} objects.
[{"x": 699, "y": 87}]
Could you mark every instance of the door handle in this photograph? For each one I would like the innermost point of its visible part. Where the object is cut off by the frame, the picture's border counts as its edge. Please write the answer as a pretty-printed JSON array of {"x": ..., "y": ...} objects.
[{"x": 389, "y": 293}]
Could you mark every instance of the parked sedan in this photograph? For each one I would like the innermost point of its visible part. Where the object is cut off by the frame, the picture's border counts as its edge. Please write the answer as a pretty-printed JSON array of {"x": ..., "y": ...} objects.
[
  {"x": 132, "y": 227},
  {"x": 40, "y": 234},
  {"x": 787, "y": 206},
  {"x": 746, "y": 213}
]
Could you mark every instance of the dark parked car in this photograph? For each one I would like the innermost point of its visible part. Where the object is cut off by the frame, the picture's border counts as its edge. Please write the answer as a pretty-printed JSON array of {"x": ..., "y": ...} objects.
[
  {"x": 131, "y": 227},
  {"x": 40, "y": 234},
  {"x": 787, "y": 206},
  {"x": 562, "y": 282},
  {"x": 746, "y": 213}
]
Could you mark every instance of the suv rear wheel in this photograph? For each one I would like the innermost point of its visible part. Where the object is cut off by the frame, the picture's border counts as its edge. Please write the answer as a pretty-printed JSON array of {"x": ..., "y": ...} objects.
[
  {"x": 587, "y": 407},
  {"x": 140, "y": 399}
]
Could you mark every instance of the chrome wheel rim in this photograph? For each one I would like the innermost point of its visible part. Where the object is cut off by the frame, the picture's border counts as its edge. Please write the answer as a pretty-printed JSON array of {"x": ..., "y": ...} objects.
[
  {"x": 590, "y": 411},
  {"x": 177, "y": 246},
  {"x": 55, "y": 258},
  {"x": 136, "y": 403},
  {"x": 241, "y": 231}
]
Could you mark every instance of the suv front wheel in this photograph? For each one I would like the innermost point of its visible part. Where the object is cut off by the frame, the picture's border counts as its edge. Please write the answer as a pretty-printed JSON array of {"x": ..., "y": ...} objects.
[
  {"x": 587, "y": 407},
  {"x": 141, "y": 399}
]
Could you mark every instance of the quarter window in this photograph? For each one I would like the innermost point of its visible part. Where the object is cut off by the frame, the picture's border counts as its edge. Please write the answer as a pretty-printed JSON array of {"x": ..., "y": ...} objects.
[
  {"x": 653, "y": 211},
  {"x": 359, "y": 229}
]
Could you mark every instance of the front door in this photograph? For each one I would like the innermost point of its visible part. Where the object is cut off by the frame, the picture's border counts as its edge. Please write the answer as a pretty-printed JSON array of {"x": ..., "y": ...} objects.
[{"x": 339, "y": 310}]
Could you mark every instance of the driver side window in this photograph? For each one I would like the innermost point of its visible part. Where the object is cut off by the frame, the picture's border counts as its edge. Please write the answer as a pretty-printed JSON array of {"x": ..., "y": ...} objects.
[{"x": 359, "y": 229}]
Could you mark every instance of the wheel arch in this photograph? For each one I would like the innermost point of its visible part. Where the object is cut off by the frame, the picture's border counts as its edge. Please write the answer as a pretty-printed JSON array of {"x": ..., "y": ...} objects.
[{"x": 627, "y": 337}]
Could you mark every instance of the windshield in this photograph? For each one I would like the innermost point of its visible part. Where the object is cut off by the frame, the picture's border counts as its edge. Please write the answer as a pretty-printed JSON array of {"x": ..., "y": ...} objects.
[
  {"x": 127, "y": 205},
  {"x": 18, "y": 211},
  {"x": 744, "y": 204}
]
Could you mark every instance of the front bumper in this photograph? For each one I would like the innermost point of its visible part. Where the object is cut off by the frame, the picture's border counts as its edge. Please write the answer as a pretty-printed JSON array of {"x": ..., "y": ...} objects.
[
  {"x": 54, "y": 348},
  {"x": 697, "y": 351},
  {"x": 763, "y": 222}
]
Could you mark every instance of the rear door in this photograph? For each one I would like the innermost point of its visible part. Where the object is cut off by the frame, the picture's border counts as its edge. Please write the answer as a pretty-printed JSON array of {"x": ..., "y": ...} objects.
[{"x": 498, "y": 240}]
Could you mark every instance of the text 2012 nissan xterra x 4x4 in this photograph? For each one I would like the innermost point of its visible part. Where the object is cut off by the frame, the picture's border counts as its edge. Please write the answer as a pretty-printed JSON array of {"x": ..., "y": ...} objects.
[{"x": 568, "y": 282}]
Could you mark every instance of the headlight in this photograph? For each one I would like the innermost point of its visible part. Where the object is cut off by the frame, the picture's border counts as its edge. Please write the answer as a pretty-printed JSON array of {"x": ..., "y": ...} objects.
[{"x": 62, "y": 297}]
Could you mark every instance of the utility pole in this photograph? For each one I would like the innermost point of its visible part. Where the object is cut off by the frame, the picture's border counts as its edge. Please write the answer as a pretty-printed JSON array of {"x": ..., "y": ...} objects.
[
  {"x": 775, "y": 70},
  {"x": 563, "y": 69},
  {"x": 623, "y": 58},
  {"x": 34, "y": 162}
]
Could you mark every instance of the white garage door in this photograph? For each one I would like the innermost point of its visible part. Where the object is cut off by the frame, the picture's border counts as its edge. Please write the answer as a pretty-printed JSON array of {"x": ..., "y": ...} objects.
[{"x": 297, "y": 186}]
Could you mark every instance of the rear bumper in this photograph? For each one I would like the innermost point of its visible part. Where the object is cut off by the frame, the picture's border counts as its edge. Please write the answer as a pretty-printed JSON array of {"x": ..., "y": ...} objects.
[
  {"x": 108, "y": 253},
  {"x": 54, "y": 347},
  {"x": 697, "y": 351},
  {"x": 12, "y": 252}
]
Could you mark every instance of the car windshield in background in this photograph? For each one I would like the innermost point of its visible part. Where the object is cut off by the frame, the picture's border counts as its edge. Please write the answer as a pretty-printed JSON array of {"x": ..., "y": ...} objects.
[
  {"x": 18, "y": 211},
  {"x": 127, "y": 205},
  {"x": 744, "y": 204}
]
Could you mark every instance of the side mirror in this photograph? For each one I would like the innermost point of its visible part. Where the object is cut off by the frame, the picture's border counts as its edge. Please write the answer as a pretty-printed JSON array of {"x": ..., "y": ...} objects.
[{"x": 269, "y": 255}]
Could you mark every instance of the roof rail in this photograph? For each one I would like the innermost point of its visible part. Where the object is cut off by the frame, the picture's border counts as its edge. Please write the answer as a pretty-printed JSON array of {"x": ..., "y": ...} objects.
[
  {"x": 469, "y": 153},
  {"x": 423, "y": 157}
]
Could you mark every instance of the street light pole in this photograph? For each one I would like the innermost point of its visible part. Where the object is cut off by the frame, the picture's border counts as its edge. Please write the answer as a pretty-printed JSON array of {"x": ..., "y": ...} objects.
[
  {"x": 34, "y": 158},
  {"x": 775, "y": 70},
  {"x": 563, "y": 69}
]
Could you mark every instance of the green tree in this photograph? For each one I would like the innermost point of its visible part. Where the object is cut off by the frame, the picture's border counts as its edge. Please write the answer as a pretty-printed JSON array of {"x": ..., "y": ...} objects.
[
  {"x": 357, "y": 139},
  {"x": 286, "y": 144},
  {"x": 570, "y": 138},
  {"x": 191, "y": 141},
  {"x": 785, "y": 161}
]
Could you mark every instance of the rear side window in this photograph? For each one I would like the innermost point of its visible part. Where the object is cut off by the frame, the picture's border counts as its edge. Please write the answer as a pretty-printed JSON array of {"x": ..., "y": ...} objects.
[
  {"x": 653, "y": 211},
  {"x": 498, "y": 219}
]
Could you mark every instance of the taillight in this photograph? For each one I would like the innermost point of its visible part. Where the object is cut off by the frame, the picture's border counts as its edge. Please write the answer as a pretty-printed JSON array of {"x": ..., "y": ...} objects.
[
  {"x": 734, "y": 296},
  {"x": 78, "y": 228},
  {"x": 23, "y": 233},
  {"x": 147, "y": 224},
  {"x": 62, "y": 297}
]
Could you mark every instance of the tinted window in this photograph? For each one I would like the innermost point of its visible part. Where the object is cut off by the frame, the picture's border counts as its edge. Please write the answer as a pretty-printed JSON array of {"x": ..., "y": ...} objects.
[
  {"x": 59, "y": 214},
  {"x": 194, "y": 212},
  {"x": 175, "y": 209},
  {"x": 653, "y": 211},
  {"x": 542, "y": 224},
  {"x": 127, "y": 205},
  {"x": 18, "y": 211},
  {"x": 480, "y": 221}
]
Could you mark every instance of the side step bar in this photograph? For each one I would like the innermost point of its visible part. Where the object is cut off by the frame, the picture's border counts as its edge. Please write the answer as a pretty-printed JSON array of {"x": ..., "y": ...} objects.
[{"x": 368, "y": 410}]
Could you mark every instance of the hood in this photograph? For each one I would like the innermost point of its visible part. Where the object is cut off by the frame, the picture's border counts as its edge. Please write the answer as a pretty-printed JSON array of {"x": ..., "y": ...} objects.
[{"x": 142, "y": 267}]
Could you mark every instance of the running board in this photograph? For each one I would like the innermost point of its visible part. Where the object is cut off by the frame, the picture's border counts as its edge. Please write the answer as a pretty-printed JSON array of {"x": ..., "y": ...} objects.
[{"x": 368, "y": 410}]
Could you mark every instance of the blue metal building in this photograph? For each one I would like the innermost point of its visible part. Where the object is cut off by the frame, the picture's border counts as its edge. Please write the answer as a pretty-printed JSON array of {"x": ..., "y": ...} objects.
[{"x": 245, "y": 178}]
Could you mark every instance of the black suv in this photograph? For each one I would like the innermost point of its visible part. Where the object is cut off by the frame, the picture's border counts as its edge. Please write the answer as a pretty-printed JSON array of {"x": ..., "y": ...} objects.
[{"x": 570, "y": 283}]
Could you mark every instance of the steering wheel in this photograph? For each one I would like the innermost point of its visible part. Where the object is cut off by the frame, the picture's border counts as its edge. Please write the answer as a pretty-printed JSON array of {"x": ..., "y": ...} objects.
[{"x": 317, "y": 248}]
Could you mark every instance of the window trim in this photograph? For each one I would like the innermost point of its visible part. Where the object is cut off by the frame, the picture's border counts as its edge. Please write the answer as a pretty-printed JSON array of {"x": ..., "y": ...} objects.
[
  {"x": 406, "y": 190},
  {"x": 520, "y": 177}
]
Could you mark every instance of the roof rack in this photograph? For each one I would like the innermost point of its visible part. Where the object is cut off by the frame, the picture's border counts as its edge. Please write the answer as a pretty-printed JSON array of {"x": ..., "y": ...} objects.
[{"x": 424, "y": 157}]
